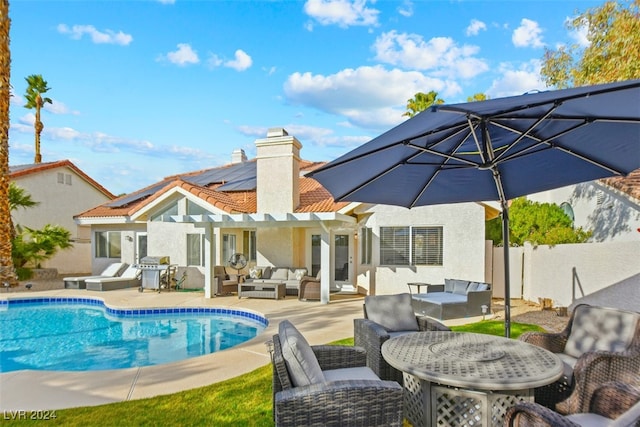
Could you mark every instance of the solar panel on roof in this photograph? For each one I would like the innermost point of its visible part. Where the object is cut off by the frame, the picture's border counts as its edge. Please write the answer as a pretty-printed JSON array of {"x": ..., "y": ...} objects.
[
  {"x": 241, "y": 174},
  {"x": 133, "y": 197}
]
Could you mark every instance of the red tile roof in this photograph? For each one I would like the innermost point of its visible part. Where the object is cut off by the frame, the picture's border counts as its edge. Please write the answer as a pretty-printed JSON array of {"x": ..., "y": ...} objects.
[
  {"x": 313, "y": 197},
  {"x": 30, "y": 169},
  {"x": 629, "y": 184}
]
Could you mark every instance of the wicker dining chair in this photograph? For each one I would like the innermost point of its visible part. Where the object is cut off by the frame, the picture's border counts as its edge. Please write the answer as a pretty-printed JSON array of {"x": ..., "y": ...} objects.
[
  {"x": 613, "y": 404},
  {"x": 387, "y": 316},
  {"x": 598, "y": 344},
  {"x": 345, "y": 393}
]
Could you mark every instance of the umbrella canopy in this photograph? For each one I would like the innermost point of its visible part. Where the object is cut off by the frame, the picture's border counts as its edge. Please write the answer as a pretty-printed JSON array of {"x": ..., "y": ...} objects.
[{"x": 497, "y": 150}]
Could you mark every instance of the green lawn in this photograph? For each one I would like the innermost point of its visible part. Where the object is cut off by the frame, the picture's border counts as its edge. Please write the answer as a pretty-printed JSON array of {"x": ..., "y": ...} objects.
[{"x": 240, "y": 401}]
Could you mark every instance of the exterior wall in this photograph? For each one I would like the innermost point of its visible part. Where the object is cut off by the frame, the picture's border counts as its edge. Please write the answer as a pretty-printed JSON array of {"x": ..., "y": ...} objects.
[
  {"x": 610, "y": 214},
  {"x": 565, "y": 273},
  {"x": 463, "y": 246},
  {"x": 58, "y": 203},
  {"x": 277, "y": 247}
]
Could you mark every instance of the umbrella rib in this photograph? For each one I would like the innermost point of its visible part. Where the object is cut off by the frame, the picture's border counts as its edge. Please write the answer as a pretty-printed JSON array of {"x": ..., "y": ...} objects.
[{"x": 524, "y": 134}]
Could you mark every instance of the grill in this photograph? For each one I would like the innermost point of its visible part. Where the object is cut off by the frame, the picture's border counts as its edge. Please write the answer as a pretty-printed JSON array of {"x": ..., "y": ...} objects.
[{"x": 156, "y": 272}]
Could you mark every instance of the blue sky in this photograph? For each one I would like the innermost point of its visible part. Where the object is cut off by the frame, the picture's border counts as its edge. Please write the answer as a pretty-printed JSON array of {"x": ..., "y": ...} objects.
[{"x": 146, "y": 89}]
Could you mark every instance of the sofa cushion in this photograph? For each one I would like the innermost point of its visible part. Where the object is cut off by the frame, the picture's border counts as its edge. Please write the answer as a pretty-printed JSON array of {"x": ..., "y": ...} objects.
[
  {"x": 301, "y": 362},
  {"x": 460, "y": 287},
  {"x": 473, "y": 286},
  {"x": 255, "y": 273},
  {"x": 441, "y": 297},
  {"x": 393, "y": 312},
  {"x": 357, "y": 373},
  {"x": 483, "y": 287},
  {"x": 598, "y": 328},
  {"x": 279, "y": 273}
]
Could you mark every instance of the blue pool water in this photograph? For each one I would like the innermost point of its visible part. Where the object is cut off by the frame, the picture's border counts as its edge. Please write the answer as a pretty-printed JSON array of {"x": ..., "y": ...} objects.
[{"x": 82, "y": 334}]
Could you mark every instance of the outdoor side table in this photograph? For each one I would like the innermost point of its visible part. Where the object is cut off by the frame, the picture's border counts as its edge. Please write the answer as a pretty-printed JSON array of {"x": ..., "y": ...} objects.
[
  {"x": 465, "y": 379},
  {"x": 418, "y": 285}
]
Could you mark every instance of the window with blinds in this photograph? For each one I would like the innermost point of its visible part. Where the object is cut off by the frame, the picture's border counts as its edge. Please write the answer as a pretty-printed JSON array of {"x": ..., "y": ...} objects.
[
  {"x": 426, "y": 245},
  {"x": 411, "y": 245}
]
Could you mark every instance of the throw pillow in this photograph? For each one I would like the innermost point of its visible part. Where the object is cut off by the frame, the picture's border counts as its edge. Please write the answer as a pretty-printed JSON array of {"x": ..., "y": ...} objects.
[
  {"x": 255, "y": 273},
  {"x": 600, "y": 329},
  {"x": 393, "y": 312},
  {"x": 460, "y": 287},
  {"x": 300, "y": 273},
  {"x": 301, "y": 362}
]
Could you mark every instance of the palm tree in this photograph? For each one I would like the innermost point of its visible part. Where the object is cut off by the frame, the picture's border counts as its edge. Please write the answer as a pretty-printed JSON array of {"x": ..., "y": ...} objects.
[
  {"x": 7, "y": 272},
  {"x": 37, "y": 86}
]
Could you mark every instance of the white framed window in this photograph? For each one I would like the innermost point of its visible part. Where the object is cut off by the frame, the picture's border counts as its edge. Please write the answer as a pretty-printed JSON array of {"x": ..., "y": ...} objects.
[
  {"x": 366, "y": 245},
  {"x": 228, "y": 246},
  {"x": 195, "y": 249},
  {"x": 411, "y": 245},
  {"x": 108, "y": 244}
]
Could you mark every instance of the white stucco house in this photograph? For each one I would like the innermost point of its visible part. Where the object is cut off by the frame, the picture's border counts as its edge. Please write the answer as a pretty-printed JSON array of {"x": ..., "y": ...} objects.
[
  {"x": 608, "y": 207},
  {"x": 268, "y": 210},
  {"x": 61, "y": 190}
]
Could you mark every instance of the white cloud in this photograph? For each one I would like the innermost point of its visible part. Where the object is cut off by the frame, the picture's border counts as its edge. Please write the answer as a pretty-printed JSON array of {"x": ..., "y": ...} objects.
[
  {"x": 528, "y": 34},
  {"x": 440, "y": 55},
  {"x": 516, "y": 81},
  {"x": 241, "y": 62},
  {"x": 99, "y": 37},
  {"x": 343, "y": 13},
  {"x": 372, "y": 97},
  {"x": 406, "y": 8},
  {"x": 317, "y": 136},
  {"x": 183, "y": 56},
  {"x": 579, "y": 35},
  {"x": 475, "y": 27}
]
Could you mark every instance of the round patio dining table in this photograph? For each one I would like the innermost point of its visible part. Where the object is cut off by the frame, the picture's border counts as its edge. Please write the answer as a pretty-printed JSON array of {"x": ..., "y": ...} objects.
[{"x": 455, "y": 378}]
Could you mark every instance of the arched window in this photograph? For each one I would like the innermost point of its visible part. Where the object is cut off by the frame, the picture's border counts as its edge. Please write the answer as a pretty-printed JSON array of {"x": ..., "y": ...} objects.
[{"x": 568, "y": 210}]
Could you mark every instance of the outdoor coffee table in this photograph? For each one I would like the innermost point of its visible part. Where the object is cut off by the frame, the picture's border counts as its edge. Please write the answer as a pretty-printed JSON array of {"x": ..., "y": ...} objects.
[{"x": 465, "y": 379}]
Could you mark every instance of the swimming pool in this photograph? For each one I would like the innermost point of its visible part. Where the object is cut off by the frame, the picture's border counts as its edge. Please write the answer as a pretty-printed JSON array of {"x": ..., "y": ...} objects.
[{"x": 84, "y": 334}]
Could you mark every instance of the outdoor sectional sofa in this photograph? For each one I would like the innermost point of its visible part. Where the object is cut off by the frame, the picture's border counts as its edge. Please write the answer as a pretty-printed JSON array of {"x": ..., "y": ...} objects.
[
  {"x": 290, "y": 276},
  {"x": 453, "y": 300}
]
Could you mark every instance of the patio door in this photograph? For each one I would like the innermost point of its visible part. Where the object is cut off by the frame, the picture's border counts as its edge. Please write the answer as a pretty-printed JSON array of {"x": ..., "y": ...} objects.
[{"x": 342, "y": 260}]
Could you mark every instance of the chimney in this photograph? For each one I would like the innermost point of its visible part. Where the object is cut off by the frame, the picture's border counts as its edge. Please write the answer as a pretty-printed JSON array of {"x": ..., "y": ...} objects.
[
  {"x": 278, "y": 172},
  {"x": 238, "y": 156}
]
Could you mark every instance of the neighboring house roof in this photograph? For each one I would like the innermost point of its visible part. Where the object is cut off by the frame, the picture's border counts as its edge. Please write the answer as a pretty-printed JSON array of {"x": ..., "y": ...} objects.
[
  {"x": 230, "y": 188},
  {"x": 19, "y": 171},
  {"x": 629, "y": 185}
]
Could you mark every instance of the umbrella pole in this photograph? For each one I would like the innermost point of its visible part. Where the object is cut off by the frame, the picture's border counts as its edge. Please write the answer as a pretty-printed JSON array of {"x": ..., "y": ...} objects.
[{"x": 507, "y": 287}]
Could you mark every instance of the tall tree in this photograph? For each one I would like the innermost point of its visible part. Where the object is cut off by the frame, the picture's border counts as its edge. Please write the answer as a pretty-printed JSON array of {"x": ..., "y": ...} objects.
[
  {"x": 613, "y": 52},
  {"x": 477, "y": 97},
  {"x": 36, "y": 87},
  {"x": 421, "y": 101},
  {"x": 7, "y": 272}
]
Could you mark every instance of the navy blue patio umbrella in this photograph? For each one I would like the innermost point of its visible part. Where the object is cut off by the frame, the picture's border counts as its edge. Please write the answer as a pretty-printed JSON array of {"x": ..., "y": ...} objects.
[{"x": 495, "y": 150}]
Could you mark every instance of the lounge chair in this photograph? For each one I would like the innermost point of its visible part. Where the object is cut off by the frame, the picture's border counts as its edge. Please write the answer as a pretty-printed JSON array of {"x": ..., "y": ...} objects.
[
  {"x": 387, "y": 316},
  {"x": 598, "y": 345},
  {"x": 78, "y": 282},
  {"x": 613, "y": 404},
  {"x": 129, "y": 279},
  {"x": 328, "y": 385}
]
